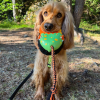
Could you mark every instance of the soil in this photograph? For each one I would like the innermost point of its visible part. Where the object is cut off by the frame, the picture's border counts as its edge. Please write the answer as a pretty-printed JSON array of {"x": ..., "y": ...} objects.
[{"x": 17, "y": 51}]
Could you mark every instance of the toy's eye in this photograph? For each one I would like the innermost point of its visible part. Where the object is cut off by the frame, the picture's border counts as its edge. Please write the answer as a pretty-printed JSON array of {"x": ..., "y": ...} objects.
[
  {"x": 59, "y": 15},
  {"x": 45, "y": 13}
]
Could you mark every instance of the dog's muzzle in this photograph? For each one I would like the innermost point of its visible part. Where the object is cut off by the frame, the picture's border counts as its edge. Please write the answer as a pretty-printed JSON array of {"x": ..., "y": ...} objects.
[{"x": 48, "y": 26}]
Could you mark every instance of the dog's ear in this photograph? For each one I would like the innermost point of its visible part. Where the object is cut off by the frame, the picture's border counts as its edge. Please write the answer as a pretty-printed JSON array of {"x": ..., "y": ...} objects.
[
  {"x": 68, "y": 31},
  {"x": 39, "y": 20}
]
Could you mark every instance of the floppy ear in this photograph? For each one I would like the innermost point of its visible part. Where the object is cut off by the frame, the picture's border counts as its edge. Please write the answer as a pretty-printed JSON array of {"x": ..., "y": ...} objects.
[
  {"x": 68, "y": 31},
  {"x": 39, "y": 20}
]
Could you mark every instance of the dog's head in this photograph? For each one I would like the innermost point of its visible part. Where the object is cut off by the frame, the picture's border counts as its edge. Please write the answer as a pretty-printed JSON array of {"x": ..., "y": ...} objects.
[{"x": 55, "y": 16}]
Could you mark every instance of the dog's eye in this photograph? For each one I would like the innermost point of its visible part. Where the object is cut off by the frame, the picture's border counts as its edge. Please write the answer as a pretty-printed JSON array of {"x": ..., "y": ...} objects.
[
  {"x": 45, "y": 13},
  {"x": 59, "y": 15}
]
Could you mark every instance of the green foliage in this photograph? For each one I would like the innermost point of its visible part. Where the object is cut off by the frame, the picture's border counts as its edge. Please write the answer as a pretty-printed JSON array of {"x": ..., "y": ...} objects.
[
  {"x": 91, "y": 29},
  {"x": 73, "y": 2},
  {"x": 92, "y": 9},
  {"x": 6, "y": 24},
  {"x": 5, "y": 5},
  {"x": 88, "y": 26}
]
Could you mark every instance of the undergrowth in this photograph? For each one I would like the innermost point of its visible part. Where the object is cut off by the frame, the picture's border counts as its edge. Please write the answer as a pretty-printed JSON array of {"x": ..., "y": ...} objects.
[
  {"x": 11, "y": 25},
  {"x": 91, "y": 29}
]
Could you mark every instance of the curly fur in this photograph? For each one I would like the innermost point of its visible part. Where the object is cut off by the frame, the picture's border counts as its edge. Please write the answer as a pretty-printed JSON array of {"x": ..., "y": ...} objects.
[{"x": 41, "y": 72}]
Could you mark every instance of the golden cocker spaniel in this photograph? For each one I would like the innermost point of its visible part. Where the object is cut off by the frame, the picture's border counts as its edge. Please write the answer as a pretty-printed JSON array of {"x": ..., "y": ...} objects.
[{"x": 52, "y": 17}]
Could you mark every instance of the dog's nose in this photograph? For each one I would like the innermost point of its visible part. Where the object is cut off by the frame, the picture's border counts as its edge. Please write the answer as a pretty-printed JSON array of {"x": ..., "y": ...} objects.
[{"x": 48, "y": 26}]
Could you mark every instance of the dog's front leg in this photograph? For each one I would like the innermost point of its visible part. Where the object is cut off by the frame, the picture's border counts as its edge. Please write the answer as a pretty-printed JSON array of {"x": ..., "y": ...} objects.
[
  {"x": 39, "y": 84},
  {"x": 38, "y": 76},
  {"x": 39, "y": 90}
]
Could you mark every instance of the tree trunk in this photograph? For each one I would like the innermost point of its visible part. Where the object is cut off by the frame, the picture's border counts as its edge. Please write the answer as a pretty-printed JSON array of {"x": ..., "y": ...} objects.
[
  {"x": 79, "y": 6},
  {"x": 78, "y": 11},
  {"x": 14, "y": 10}
]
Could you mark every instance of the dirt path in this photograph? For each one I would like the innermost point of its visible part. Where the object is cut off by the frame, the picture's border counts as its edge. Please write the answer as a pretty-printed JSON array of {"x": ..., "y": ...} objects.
[{"x": 17, "y": 51}]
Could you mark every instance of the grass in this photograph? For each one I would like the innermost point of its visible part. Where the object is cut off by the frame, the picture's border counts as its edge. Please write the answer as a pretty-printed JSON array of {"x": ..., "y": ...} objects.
[
  {"x": 91, "y": 28},
  {"x": 11, "y": 25}
]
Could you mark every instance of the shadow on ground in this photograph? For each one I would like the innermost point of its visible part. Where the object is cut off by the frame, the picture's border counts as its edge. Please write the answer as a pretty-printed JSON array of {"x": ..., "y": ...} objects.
[{"x": 18, "y": 50}]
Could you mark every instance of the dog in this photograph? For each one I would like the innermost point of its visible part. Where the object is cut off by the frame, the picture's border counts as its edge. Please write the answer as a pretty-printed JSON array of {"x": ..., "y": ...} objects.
[{"x": 52, "y": 17}]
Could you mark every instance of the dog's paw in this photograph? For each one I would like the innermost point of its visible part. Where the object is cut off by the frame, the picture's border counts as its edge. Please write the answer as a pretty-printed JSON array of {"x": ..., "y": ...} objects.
[{"x": 39, "y": 97}]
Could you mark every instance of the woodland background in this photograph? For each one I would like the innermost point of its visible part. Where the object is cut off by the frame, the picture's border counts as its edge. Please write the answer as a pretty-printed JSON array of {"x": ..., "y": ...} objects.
[{"x": 23, "y": 11}]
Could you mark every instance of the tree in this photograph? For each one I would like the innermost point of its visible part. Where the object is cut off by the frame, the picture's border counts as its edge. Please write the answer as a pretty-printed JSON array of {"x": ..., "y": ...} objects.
[
  {"x": 77, "y": 13},
  {"x": 14, "y": 10}
]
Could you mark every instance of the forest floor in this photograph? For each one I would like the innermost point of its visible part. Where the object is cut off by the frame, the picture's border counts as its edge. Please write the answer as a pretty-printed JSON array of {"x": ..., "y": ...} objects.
[{"x": 17, "y": 51}]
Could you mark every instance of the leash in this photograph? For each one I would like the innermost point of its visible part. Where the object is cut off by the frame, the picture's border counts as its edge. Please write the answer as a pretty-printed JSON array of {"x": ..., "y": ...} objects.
[
  {"x": 20, "y": 85},
  {"x": 51, "y": 43},
  {"x": 53, "y": 89}
]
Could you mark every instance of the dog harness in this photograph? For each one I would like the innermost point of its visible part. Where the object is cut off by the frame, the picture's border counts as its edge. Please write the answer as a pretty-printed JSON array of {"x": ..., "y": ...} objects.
[{"x": 49, "y": 61}]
